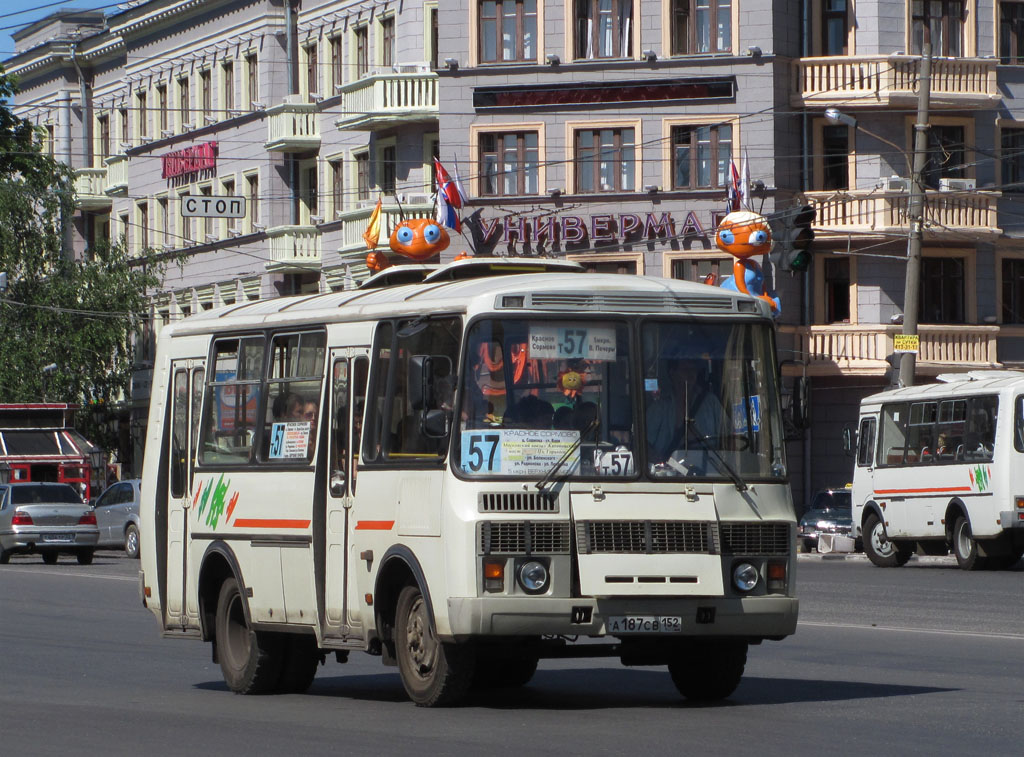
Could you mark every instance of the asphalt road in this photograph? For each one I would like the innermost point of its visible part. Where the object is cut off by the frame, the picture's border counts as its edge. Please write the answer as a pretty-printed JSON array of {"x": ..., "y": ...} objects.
[{"x": 925, "y": 659}]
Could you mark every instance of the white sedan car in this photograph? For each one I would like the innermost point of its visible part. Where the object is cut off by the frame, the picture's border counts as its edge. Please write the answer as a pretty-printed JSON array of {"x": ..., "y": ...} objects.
[{"x": 47, "y": 519}]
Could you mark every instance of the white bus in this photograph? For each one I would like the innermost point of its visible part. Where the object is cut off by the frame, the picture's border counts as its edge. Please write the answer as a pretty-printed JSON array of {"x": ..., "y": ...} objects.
[
  {"x": 460, "y": 475},
  {"x": 940, "y": 467}
]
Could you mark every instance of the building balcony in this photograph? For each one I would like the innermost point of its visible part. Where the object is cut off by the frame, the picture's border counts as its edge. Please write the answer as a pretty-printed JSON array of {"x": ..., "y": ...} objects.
[
  {"x": 294, "y": 249},
  {"x": 117, "y": 176},
  {"x": 881, "y": 212},
  {"x": 863, "y": 349},
  {"x": 90, "y": 189},
  {"x": 385, "y": 100},
  {"x": 854, "y": 81},
  {"x": 293, "y": 127},
  {"x": 354, "y": 222}
]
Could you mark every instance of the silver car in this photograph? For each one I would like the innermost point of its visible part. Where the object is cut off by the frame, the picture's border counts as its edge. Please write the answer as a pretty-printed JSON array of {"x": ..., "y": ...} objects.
[
  {"x": 47, "y": 519},
  {"x": 117, "y": 515}
]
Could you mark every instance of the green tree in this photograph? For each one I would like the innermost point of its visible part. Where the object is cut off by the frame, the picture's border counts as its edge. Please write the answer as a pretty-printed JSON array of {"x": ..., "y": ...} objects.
[{"x": 81, "y": 315}]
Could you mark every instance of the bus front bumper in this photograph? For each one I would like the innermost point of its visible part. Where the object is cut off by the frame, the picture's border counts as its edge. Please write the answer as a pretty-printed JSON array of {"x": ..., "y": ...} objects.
[{"x": 752, "y": 617}]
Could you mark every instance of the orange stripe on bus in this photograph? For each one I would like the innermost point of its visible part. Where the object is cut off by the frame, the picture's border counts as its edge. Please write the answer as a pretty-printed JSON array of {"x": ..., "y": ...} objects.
[
  {"x": 374, "y": 525},
  {"x": 270, "y": 523},
  {"x": 937, "y": 490}
]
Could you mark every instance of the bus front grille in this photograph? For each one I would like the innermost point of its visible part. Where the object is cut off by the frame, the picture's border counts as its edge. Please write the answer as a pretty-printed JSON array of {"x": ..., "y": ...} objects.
[
  {"x": 518, "y": 502},
  {"x": 524, "y": 538},
  {"x": 754, "y": 538},
  {"x": 644, "y": 537}
]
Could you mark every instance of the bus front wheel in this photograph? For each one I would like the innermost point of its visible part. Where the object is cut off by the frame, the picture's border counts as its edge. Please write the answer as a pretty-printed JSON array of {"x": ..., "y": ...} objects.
[
  {"x": 882, "y": 551},
  {"x": 250, "y": 661},
  {"x": 965, "y": 546},
  {"x": 434, "y": 673},
  {"x": 705, "y": 671}
]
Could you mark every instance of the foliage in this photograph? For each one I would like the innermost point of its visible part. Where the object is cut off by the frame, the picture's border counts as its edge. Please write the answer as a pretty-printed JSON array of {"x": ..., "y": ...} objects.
[{"x": 81, "y": 315}]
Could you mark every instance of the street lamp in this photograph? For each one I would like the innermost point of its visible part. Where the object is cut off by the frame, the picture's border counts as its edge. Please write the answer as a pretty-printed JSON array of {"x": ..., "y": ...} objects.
[{"x": 835, "y": 116}]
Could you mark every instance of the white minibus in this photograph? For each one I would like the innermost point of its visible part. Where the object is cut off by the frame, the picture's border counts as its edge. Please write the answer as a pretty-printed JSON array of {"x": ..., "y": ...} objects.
[
  {"x": 940, "y": 467},
  {"x": 507, "y": 461}
]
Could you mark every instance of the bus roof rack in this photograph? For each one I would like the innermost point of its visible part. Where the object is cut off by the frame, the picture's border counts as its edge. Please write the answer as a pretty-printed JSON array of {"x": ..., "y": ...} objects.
[
  {"x": 978, "y": 375},
  {"x": 399, "y": 275},
  {"x": 479, "y": 267}
]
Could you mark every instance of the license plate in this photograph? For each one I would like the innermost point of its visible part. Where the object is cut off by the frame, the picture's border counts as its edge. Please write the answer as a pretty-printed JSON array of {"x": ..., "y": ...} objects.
[
  {"x": 644, "y": 624},
  {"x": 59, "y": 537}
]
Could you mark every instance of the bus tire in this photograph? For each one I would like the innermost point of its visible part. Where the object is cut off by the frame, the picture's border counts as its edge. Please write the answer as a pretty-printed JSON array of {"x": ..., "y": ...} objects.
[
  {"x": 705, "y": 671},
  {"x": 84, "y": 556},
  {"x": 434, "y": 673},
  {"x": 250, "y": 661},
  {"x": 301, "y": 659},
  {"x": 965, "y": 546},
  {"x": 131, "y": 541},
  {"x": 880, "y": 550},
  {"x": 5, "y": 556},
  {"x": 504, "y": 674}
]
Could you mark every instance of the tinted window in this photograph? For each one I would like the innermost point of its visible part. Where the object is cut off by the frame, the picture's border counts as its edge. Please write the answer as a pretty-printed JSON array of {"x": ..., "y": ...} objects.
[{"x": 27, "y": 495}]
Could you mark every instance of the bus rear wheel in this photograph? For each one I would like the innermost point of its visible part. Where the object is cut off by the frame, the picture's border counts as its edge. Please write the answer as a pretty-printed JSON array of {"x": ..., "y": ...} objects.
[
  {"x": 301, "y": 659},
  {"x": 250, "y": 661},
  {"x": 434, "y": 673},
  {"x": 705, "y": 671},
  {"x": 965, "y": 546},
  {"x": 880, "y": 550}
]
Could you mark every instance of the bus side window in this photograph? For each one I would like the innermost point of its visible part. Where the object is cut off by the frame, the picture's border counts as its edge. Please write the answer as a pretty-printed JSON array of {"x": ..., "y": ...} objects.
[{"x": 866, "y": 442}]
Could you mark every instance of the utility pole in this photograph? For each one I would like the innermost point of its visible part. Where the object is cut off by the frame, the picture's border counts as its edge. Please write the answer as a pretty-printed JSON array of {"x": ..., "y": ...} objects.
[{"x": 915, "y": 211}]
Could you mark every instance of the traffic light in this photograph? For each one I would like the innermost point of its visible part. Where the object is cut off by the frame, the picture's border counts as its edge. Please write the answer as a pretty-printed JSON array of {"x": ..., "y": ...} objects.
[{"x": 793, "y": 235}]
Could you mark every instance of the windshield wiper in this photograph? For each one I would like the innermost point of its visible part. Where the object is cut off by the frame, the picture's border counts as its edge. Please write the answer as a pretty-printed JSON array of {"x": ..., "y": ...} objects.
[
  {"x": 720, "y": 463},
  {"x": 549, "y": 476}
]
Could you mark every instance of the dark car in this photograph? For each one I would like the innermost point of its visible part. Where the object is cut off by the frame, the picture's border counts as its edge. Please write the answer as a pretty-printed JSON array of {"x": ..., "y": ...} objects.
[
  {"x": 117, "y": 515},
  {"x": 47, "y": 519},
  {"x": 830, "y": 513}
]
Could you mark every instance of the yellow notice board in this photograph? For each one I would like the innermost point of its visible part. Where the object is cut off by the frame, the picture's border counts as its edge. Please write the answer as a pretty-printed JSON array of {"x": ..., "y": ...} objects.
[{"x": 906, "y": 342}]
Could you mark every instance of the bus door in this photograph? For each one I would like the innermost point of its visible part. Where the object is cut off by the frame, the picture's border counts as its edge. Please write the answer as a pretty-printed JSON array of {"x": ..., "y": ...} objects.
[
  {"x": 866, "y": 437},
  {"x": 187, "y": 378},
  {"x": 349, "y": 371}
]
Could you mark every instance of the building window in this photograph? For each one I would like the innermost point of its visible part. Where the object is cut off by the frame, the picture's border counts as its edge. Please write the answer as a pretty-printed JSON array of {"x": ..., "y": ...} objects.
[
  {"x": 206, "y": 93},
  {"x": 184, "y": 113},
  {"x": 608, "y": 266},
  {"x": 946, "y": 154},
  {"x": 604, "y": 29},
  {"x": 942, "y": 290},
  {"x": 252, "y": 191},
  {"x": 434, "y": 151},
  {"x": 163, "y": 221},
  {"x": 1013, "y": 290},
  {"x": 435, "y": 61},
  {"x": 835, "y": 149},
  {"x": 104, "y": 138},
  {"x": 701, "y": 156},
  {"x": 945, "y": 20},
  {"x": 702, "y": 270},
  {"x": 834, "y": 27},
  {"x": 123, "y": 133},
  {"x": 227, "y": 190},
  {"x": 228, "y": 72},
  {"x": 123, "y": 219},
  {"x": 837, "y": 290},
  {"x": 509, "y": 164},
  {"x": 143, "y": 110},
  {"x": 701, "y": 26},
  {"x": 337, "y": 65},
  {"x": 362, "y": 52},
  {"x": 605, "y": 160},
  {"x": 362, "y": 161},
  {"x": 161, "y": 108},
  {"x": 337, "y": 185},
  {"x": 508, "y": 30},
  {"x": 387, "y": 41},
  {"x": 388, "y": 161},
  {"x": 1011, "y": 33},
  {"x": 252, "y": 77},
  {"x": 310, "y": 193},
  {"x": 143, "y": 225},
  {"x": 206, "y": 191},
  {"x": 312, "y": 72},
  {"x": 1012, "y": 141}
]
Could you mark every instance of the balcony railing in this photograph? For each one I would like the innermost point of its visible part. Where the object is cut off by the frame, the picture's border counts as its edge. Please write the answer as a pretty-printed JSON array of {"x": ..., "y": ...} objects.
[
  {"x": 293, "y": 127},
  {"x": 886, "y": 212},
  {"x": 863, "y": 349},
  {"x": 384, "y": 100},
  {"x": 860, "y": 80},
  {"x": 294, "y": 248},
  {"x": 117, "y": 175},
  {"x": 90, "y": 189},
  {"x": 354, "y": 224}
]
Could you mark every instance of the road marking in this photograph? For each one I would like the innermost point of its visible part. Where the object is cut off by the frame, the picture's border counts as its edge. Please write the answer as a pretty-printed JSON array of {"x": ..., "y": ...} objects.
[
  {"x": 19, "y": 569},
  {"x": 937, "y": 631}
]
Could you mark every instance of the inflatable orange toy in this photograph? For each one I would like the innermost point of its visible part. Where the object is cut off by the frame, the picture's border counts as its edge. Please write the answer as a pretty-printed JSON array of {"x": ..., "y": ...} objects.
[{"x": 419, "y": 238}]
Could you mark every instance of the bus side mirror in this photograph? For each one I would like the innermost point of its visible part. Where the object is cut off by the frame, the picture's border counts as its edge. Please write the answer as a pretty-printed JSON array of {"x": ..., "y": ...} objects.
[
  {"x": 436, "y": 423},
  {"x": 429, "y": 381},
  {"x": 849, "y": 443},
  {"x": 801, "y": 404}
]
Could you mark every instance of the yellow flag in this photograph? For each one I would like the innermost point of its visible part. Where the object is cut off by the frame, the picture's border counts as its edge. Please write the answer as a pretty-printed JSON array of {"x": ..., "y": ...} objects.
[{"x": 372, "y": 233}]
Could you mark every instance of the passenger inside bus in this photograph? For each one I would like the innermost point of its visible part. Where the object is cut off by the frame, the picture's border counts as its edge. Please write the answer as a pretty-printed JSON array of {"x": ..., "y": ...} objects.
[{"x": 684, "y": 399}]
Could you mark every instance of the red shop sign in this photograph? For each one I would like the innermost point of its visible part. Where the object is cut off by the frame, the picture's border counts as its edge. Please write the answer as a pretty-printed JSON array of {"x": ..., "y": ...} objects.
[{"x": 190, "y": 160}]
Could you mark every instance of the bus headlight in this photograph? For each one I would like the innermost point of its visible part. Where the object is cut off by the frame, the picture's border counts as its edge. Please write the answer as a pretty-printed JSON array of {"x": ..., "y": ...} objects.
[
  {"x": 745, "y": 576},
  {"x": 533, "y": 576}
]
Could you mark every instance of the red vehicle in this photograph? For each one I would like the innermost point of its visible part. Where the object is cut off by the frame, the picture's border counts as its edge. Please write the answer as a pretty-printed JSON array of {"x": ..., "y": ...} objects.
[{"x": 38, "y": 443}]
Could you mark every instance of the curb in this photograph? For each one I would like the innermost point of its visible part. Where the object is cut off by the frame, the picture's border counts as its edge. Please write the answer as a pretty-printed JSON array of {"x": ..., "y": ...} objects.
[{"x": 861, "y": 557}]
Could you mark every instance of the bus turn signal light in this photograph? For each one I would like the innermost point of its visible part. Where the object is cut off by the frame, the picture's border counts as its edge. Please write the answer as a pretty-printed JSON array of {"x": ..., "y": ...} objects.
[
  {"x": 1019, "y": 503},
  {"x": 776, "y": 577},
  {"x": 494, "y": 575}
]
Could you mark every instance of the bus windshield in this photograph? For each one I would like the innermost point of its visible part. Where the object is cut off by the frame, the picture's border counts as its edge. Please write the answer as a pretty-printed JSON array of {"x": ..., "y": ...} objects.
[{"x": 543, "y": 396}]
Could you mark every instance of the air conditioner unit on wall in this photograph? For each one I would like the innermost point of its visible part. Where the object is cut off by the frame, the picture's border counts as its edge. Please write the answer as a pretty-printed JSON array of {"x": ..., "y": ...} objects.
[
  {"x": 957, "y": 185},
  {"x": 896, "y": 184}
]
